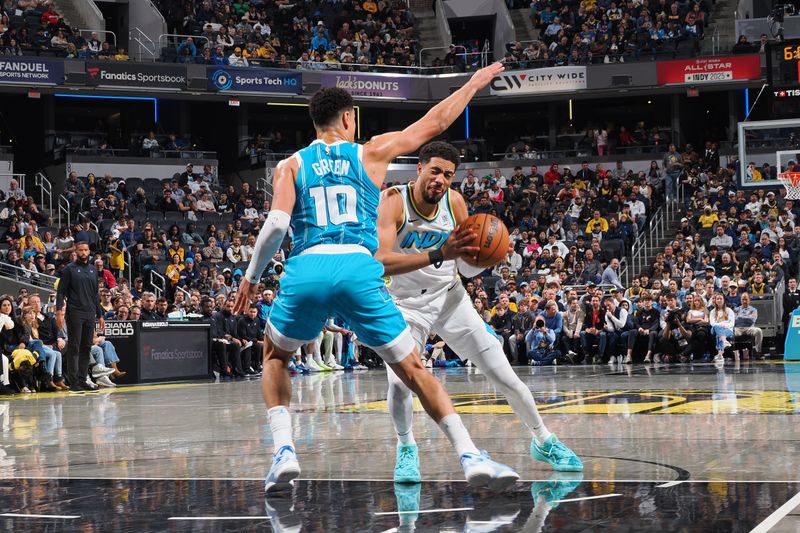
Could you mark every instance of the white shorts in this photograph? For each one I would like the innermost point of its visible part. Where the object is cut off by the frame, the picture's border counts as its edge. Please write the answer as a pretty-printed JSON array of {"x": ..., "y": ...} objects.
[{"x": 449, "y": 313}]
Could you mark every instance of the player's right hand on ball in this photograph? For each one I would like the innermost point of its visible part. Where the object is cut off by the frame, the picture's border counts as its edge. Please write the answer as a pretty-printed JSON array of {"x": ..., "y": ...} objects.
[{"x": 460, "y": 243}]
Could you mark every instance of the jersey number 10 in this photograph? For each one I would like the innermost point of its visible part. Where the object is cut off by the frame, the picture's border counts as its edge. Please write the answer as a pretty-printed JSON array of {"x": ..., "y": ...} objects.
[{"x": 334, "y": 205}]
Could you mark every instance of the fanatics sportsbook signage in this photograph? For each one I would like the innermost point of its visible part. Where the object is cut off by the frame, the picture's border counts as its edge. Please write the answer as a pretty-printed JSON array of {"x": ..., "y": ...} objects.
[
  {"x": 367, "y": 85},
  {"x": 540, "y": 80},
  {"x": 123, "y": 74},
  {"x": 254, "y": 80},
  {"x": 31, "y": 71},
  {"x": 709, "y": 69}
]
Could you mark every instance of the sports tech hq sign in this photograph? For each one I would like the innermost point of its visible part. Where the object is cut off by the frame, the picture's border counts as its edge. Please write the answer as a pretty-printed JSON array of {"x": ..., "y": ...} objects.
[{"x": 540, "y": 80}]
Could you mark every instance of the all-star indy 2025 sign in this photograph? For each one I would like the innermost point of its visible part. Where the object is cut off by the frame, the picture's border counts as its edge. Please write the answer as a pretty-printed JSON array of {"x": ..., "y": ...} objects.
[
  {"x": 540, "y": 80},
  {"x": 709, "y": 69}
]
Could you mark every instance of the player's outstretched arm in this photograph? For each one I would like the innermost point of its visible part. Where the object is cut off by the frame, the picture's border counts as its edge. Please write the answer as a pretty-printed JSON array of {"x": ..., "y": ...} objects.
[
  {"x": 384, "y": 148},
  {"x": 271, "y": 235},
  {"x": 390, "y": 217}
]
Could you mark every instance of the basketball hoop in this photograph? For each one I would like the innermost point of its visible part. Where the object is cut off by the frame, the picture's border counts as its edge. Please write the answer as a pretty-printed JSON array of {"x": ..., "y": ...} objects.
[{"x": 791, "y": 180}]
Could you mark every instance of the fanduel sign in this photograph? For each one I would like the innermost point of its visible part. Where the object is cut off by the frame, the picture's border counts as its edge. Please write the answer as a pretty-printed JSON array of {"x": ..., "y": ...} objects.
[
  {"x": 369, "y": 85},
  {"x": 111, "y": 74},
  {"x": 31, "y": 70},
  {"x": 540, "y": 80}
]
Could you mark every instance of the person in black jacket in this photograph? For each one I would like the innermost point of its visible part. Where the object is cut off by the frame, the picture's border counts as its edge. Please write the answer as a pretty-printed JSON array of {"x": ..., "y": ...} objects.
[
  {"x": 149, "y": 313},
  {"x": 593, "y": 334},
  {"x": 249, "y": 329},
  {"x": 791, "y": 301},
  {"x": 646, "y": 325},
  {"x": 78, "y": 289},
  {"x": 226, "y": 348},
  {"x": 521, "y": 322}
]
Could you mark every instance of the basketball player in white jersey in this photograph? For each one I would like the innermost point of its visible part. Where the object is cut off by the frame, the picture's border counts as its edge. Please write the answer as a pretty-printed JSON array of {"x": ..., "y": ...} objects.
[{"x": 422, "y": 253}]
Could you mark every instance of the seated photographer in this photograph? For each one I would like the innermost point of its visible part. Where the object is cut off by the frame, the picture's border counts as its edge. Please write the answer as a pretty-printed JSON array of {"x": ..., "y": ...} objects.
[
  {"x": 541, "y": 340},
  {"x": 22, "y": 371},
  {"x": 674, "y": 342},
  {"x": 593, "y": 333},
  {"x": 745, "y": 324},
  {"x": 646, "y": 326},
  {"x": 722, "y": 322}
]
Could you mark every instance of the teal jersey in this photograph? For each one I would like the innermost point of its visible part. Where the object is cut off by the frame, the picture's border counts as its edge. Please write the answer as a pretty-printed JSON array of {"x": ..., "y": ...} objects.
[{"x": 336, "y": 201}]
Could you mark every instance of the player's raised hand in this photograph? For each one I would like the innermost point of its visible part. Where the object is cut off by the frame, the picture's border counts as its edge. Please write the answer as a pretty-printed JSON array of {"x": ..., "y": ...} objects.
[
  {"x": 460, "y": 243},
  {"x": 243, "y": 296},
  {"x": 482, "y": 77}
]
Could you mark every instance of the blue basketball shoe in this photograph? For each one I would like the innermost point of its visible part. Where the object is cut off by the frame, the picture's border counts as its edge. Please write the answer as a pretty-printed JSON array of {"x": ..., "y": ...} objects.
[
  {"x": 553, "y": 452},
  {"x": 406, "y": 466}
]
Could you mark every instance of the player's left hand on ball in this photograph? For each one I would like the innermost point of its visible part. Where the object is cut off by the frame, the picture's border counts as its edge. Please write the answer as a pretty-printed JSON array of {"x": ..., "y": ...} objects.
[{"x": 460, "y": 243}]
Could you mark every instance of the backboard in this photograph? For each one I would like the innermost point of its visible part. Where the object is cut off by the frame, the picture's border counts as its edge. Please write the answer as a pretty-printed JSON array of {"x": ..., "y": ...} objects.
[{"x": 765, "y": 148}]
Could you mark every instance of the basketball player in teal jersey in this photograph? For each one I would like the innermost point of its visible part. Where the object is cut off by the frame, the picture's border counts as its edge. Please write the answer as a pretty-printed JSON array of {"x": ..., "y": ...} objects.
[
  {"x": 415, "y": 220},
  {"x": 329, "y": 193}
]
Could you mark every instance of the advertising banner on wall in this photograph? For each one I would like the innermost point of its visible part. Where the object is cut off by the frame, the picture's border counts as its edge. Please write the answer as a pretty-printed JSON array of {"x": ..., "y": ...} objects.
[
  {"x": 31, "y": 71},
  {"x": 135, "y": 75},
  {"x": 540, "y": 80},
  {"x": 709, "y": 69},
  {"x": 369, "y": 85},
  {"x": 254, "y": 80}
]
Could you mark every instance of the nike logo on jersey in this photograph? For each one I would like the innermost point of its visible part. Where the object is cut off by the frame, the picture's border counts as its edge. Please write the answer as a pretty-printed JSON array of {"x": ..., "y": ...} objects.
[
  {"x": 422, "y": 240},
  {"x": 412, "y": 220}
]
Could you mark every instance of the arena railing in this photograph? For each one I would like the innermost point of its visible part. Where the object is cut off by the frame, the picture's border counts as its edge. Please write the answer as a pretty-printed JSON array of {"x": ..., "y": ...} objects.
[
  {"x": 165, "y": 39},
  {"x": 46, "y": 190},
  {"x": 355, "y": 67},
  {"x": 157, "y": 277},
  {"x": 165, "y": 154},
  {"x": 104, "y": 32},
  {"x": 20, "y": 274},
  {"x": 145, "y": 43},
  {"x": 64, "y": 210}
]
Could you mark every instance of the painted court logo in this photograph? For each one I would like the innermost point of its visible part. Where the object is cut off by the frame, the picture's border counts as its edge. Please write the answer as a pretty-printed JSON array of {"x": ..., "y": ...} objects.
[{"x": 222, "y": 80}]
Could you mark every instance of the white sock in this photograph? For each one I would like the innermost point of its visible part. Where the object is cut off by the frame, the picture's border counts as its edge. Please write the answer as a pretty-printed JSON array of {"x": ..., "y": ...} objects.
[
  {"x": 458, "y": 434},
  {"x": 280, "y": 423},
  {"x": 518, "y": 395},
  {"x": 401, "y": 407}
]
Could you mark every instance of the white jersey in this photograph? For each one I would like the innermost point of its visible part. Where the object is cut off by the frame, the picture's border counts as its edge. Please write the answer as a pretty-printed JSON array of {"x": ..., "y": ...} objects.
[{"x": 419, "y": 234}]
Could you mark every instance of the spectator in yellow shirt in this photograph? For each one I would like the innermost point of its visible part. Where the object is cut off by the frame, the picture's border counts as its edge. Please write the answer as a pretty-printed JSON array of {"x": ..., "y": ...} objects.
[
  {"x": 597, "y": 224},
  {"x": 708, "y": 218}
]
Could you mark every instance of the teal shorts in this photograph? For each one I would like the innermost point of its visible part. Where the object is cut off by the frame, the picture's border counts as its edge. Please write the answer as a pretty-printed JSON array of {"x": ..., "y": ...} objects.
[{"x": 349, "y": 286}]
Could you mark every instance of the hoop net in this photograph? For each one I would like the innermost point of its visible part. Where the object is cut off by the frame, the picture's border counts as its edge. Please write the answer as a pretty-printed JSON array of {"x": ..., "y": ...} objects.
[{"x": 791, "y": 180}]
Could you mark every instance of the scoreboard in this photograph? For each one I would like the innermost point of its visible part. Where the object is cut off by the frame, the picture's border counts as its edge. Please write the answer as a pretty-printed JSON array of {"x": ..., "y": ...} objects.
[{"x": 783, "y": 65}]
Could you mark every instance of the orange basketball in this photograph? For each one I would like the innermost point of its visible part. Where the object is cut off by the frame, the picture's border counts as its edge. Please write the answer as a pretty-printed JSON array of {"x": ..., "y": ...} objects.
[{"x": 492, "y": 238}]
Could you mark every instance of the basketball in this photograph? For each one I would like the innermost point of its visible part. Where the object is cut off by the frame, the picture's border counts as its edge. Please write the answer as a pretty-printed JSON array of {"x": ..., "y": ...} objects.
[{"x": 492, "y": 239}]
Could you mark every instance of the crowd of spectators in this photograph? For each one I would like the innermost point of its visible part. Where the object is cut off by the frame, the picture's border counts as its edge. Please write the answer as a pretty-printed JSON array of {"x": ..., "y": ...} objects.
[
  {"x": 35, "y": 27},
  {"x": 319, "y": 34},
  {"x": 611, "y": 32},
  {"x": 558, "y": 298},
  {"x": 185, "y": 242}
]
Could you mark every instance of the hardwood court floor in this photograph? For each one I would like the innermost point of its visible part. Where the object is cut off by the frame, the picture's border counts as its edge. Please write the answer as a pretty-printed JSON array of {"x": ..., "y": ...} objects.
[{"x": 682, "y": 448}]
